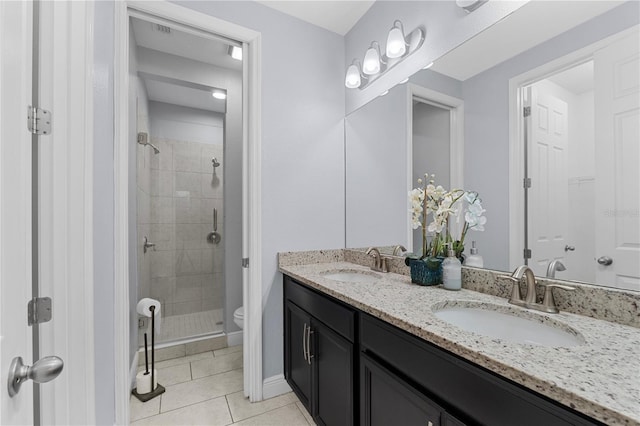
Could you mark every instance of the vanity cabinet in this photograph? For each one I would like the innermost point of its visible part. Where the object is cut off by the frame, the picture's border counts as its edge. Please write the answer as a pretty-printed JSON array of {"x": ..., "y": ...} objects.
[
  {"x": 319, "y": 354},
  {"x": 348, "y": 367}
]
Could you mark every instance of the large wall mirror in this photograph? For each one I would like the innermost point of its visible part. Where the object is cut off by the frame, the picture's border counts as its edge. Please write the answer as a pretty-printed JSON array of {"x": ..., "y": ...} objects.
[{"x": 579, "y": 146}]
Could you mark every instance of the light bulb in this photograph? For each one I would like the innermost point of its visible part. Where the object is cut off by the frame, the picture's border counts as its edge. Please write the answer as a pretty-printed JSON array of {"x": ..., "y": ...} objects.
[
  {"x": 352, "y": 80},
  {"x": 396, "y": 46},
  {"x": 429, "y": 65},
  {"x": 218, "y": 94},
  {"x": 371, "y": 63},
  {"x": 235, "y": 52}
]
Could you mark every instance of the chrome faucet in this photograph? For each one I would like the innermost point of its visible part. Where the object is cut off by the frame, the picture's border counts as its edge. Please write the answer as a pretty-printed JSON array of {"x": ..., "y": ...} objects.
[
  {"x": 555, "y": 265},
  {"x": 398, "y": 250},
  {"x": 379, "y": 261},
  {"x": 548, "y": 302}
]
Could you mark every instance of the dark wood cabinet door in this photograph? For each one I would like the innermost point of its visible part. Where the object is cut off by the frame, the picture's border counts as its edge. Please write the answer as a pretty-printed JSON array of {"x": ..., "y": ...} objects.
[
  {"x": 387, "y": 400},
  {"x": 297, "y": 367},
  {"x": 332, "y": 361}
]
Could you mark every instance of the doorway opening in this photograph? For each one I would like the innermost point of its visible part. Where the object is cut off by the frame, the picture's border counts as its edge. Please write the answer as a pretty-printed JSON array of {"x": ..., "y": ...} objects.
[
  {"x": 188, "y": 178},
  {"x": 186, "y": 138},
  {"x": 435, "y": 141}
]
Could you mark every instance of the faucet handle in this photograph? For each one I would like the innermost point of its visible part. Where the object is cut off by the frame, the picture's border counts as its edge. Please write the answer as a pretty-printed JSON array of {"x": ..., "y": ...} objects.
[
  {"x": 549, "y": 302},
  {"x": 515, "y": 290}
]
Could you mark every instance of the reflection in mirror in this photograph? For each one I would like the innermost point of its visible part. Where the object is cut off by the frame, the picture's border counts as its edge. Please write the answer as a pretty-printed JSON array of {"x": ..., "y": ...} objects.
[{"x": 494, "y": 154}]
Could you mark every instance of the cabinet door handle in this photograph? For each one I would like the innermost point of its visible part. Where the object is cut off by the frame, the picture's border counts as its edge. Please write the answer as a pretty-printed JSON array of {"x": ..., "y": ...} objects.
[
  {"x": 304, "y": 341},
  {"x": 309, "y": 356}
]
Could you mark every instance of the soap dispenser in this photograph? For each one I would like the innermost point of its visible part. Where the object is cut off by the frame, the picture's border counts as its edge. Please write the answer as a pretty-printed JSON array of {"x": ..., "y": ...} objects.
[
  {"x": 474, "y": 259},
  {"x": 452, "y": 271}
]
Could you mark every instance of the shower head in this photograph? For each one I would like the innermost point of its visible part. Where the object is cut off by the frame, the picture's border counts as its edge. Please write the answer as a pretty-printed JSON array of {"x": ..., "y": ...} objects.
[
  {"x": 143, "y": 139},
  {"x": 155, "y": 148},
  {"x": 215, "y": 162}
]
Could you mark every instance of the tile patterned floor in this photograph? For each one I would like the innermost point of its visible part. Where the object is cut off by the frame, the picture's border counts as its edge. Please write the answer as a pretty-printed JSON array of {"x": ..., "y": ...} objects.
[{"x": 206, "y": 389}]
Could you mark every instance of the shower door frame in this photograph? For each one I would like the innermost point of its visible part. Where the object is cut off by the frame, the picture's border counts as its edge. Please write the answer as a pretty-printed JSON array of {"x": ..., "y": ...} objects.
[{"x": 251, "y": 188}]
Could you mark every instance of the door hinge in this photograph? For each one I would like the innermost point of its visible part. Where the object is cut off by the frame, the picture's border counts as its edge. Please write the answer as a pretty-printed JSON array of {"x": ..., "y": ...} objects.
[
  {"x": 527, "y": 253},
  {"x": 526, "y": 182},
  {"x": 39, "y": 310},
  {"x": 245, "y": 262},
  {"x": 38, "y": 120},
  {"x": 526, "y": 111}
]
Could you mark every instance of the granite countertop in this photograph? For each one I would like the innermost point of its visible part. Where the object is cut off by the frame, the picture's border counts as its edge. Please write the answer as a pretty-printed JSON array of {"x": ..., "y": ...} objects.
[{"x": 600, "y": 378}]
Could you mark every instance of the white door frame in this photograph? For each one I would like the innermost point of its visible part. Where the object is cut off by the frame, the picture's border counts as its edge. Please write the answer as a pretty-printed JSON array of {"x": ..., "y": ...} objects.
[
  {"x": 456, "y": 139},
  {"x": 251, "y": 187},
  {"x": 516, "y": 135},
  {"x": 66, "y": 209}
]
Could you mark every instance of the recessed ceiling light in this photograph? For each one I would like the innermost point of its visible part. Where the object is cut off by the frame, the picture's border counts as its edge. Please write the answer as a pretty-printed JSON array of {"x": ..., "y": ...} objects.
[
  {"x": 219, "y": 94},
  {"x": 235, "y": 52}
]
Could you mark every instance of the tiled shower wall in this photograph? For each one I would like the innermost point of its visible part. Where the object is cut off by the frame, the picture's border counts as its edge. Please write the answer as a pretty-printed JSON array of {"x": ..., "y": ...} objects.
[{"x": 186, "y": 272}]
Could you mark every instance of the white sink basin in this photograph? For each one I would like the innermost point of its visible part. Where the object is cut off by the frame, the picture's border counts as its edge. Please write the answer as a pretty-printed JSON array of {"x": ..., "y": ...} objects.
[
  {"x": 513, "y": 326},
  {"x": 351, "y": 276}
]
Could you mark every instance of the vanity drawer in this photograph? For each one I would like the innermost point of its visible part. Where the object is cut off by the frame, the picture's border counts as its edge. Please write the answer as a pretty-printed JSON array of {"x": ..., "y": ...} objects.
[
  {"x": 471, "y": 392},
  {"x": 329, "y": 311}
]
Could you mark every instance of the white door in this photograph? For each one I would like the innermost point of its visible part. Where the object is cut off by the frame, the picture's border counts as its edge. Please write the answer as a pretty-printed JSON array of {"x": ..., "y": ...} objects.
[
  {"x": 15, "y": 204},
  {"x": 548, "y": 196},
  {"x": 617, "y": 130}
]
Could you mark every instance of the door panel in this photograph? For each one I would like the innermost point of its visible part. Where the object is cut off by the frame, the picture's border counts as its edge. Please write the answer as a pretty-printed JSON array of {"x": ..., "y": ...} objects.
[
  {"x": 617, "y": 108},
  {"x": 15, "y": 204},
  {"x": 332, "y": 358},
  {"x": 297, "y": 368},
  {"x": 549, "y": 181}
]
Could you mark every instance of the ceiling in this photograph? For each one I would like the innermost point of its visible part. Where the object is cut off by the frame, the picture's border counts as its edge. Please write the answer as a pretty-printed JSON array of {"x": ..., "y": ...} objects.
[
  {"x": 336, "y": 16},
  {"x": 528, "y": 26},
  {"x": 165, "y": 39}
]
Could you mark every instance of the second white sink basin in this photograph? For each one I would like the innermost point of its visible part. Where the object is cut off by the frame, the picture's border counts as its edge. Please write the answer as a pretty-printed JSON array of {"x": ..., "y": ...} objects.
[
  {"x": 351, "y": 276},
  {"x": 489, "y": 321}
]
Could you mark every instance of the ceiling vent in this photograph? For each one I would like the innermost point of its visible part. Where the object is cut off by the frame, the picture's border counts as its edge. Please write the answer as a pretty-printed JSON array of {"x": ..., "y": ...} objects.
[{"x": 163, "y": 29}]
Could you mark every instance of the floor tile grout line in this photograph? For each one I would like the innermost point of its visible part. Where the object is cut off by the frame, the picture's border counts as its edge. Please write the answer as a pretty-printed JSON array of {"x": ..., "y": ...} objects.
[
  {"x": 269, "y": 411},
  {"x": 188, "y": 405}
]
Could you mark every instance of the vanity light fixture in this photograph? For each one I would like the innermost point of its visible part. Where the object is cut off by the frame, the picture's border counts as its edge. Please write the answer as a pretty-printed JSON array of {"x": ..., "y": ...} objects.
[
  {"x": 470, "y": 5},
  {"x": 398, "y": 48},
  {"x": 404, "y": 81},
  {"x": 235, "y": 52},
  {"x": 429, "y": 65},
  {"x": 219, "y": 94}
]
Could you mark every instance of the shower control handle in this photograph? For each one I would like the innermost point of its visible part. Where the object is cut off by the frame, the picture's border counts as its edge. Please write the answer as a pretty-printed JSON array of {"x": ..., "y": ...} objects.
[{"x": 214, "y": 237}]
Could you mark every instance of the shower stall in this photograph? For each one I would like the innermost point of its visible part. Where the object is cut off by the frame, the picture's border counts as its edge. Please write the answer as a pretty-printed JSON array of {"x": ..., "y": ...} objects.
[
  {"x": 180, "y": 207},
  {"x": 185, "y": 115}
]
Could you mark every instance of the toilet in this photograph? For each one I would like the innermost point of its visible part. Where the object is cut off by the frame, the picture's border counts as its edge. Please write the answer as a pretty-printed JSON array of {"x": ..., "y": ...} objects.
[{"x": 238, "y": 317}]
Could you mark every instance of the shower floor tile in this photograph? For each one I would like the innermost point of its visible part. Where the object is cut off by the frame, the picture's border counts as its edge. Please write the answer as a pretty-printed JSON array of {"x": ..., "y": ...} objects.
[{"x": 178, "y": 327}]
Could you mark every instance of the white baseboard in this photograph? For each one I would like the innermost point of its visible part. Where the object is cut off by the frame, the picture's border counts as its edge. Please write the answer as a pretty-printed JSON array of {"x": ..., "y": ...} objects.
[
  {"x": 133, "y": 371},
  {"x": 234, "y": 338},
  {"x": 274, "y": 386}
]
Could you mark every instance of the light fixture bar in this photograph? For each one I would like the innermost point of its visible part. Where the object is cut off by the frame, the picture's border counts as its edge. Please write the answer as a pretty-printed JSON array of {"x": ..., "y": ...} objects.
[{"x": 399, "y": 47}]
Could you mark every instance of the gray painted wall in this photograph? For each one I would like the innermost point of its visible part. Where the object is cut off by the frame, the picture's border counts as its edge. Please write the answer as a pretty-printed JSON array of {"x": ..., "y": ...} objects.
[
  {"x": 487, "y": 124},
  {"x": 376, "y": 158},
  {"x": 103, "y": 210}
]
